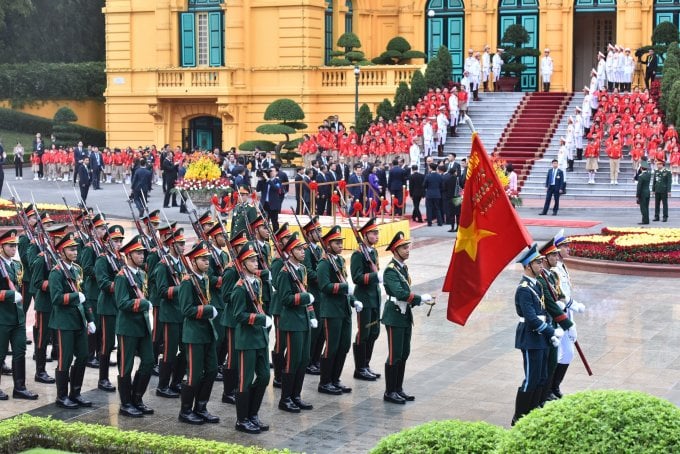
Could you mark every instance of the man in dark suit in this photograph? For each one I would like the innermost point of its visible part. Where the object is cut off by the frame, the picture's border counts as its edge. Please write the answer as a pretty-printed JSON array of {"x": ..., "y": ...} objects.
[
  {"x": 84, "y": 177},
  {"x": 323, "y": 194},
  {"x": 283, "y": 177},
  {"x": 356, "y": 192},
  {"x": 433, "y": 185},
  {"x": 78, "y": 154},
  {"x": 396, "y": 182},
  {"x": 651, "y": 65},
  {"x": 272, "y": 197},
  {"x": 415, "y": 188},
  {"x": 553, "y": 185},
  {"x": 170, "y": 170},
  {"x": 96, "y": 166},
  {"x": 299, "y": 189},
  {"x": 39, "y": 148},
  {"x": 141, "y": 185},
  {"x": 343, "y": 169},
  {"x": 381, "y": 173}
]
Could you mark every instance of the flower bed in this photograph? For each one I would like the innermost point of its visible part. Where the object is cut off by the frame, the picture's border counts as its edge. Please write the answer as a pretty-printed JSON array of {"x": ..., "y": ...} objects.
[
  {"x": 8, "y": 214},
  {"x": 202, "y": 175},
  {"x": 629, "y": 244}
]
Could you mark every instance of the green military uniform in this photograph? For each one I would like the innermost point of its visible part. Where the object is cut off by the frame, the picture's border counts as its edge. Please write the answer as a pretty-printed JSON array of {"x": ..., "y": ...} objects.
[
  {"x": 243, "y": 212},
  {"x": 313, "y": 255},
  {"x": 86, "y": 259},
  {"x": 70, "y": 319},
  {"x": 24, "y": 244},
  {"x": 642, "y": 193},
  {"x": 295, "y": 323},
  {"x": 662, "y": 188},
  {"x": 215, "y": 277},
  {"x": 199, "y": 337},
  {"x": 133, "y": 329}
]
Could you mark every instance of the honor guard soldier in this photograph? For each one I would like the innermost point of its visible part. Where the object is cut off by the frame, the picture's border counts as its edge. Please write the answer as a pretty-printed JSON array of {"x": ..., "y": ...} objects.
[
  {"x": 12, "y": 316},
  {"x": 43, "y": 306},
  {"x": 252, "y": 342},
  {"x": 260, "y": 241},
  {"x": 26, "y": 261},
  {"x": 133, "y": 329},
  {"x": 206, "y": 221},
  {"x": 534, "y": 335},
  {"x": 244, "y": 212},
  {"x": 167, "y": 280},
  {"x": 229, "y": 323},
  {"x": 106, "y": 303},
  {"x": 219, "y": 241},
  {"x": 72, "y": 323},
  {"x": 86, "y": 258},
  {"x": 313, "y": 255},
  {"x": 199, "y": 337},
  {"x": 281, "y": 236},
  {"x": 367, "y": 282},
  {"x": 152, "y": 257},
  {"x": 398, "y": 318},
  {"x": 295, "y": 323},
  {"x": 337, "y": 302}
]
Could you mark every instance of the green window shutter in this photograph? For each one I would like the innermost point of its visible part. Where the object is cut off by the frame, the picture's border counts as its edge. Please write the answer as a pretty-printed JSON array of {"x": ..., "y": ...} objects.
[
  {"x": 188, "y": 39},
  {"x": 216, "y": 38}
]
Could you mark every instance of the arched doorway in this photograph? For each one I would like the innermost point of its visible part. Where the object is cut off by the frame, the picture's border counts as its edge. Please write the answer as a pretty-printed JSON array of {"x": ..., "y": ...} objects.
[
  {"x": 594, "y": 28},
  {"x": 524, "y": 12},
  {"x": 445, "y": 26},
  {"x": 203, "y": 132}
]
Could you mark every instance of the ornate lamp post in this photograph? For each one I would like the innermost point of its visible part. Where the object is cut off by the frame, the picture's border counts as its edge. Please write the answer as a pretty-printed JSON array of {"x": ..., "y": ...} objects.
[{"x": 357, "y": 71}]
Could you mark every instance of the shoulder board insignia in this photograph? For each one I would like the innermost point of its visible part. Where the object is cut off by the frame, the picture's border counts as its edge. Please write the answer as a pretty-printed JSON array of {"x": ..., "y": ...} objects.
[
  {"x": 121, "y": 273},
  {"x": 391, "y": 265},
  {"x": 524, "y": 284},
  {"x": 239, "y": 282},
  {"x": 186, "y": 277}
]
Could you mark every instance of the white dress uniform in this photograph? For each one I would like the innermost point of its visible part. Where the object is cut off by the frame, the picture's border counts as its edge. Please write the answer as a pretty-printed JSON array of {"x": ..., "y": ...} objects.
[
  {"x": 546, "y": 69},
  {"x": 486, "y": 66},
  {"x": 628, "y": 69},
  {"x": 496, "y": 66},
  {"x": 428, "y": 138},
  {"x": 601, "y": 74},
  {"x": 609, "y": 64},
  {"x": 585, "y": 110},
  {"x": 578, "y": 131},
  {"x": 570, "y": 141},
  {"x": 442, "y": 126},
  {"x": 453, "y": 108}
]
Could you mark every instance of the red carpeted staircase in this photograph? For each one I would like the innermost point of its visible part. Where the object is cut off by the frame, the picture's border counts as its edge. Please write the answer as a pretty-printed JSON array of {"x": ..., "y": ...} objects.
[{"x": 530, "y": 129}]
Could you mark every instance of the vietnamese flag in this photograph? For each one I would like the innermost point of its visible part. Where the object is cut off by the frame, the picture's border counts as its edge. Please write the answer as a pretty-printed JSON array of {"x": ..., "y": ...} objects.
[{"x": 489, "y": 236}]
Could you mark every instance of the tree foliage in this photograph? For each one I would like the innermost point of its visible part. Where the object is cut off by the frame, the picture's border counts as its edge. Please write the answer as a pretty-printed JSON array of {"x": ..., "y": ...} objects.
[
  {"x": 434, "y": 76},
  {"x": 671, "y": 73},
  {"x": 13, "y": 9},
  {"x": 385, "y": 110},
  {"x": 350, "y": 42},
  {"x": 288, "y": 113},
  {"x": 402, "y": 97},
  {"x": 364, "y": 119},
  {"x": 398, "y": 52},
  {"x": 418, "y": 86},
  {"x": 516, "y": 36},
  {"x": 446, "y": 64},
  {"x": 64, "y": 129},
  {"x": 665, "y": 33}
]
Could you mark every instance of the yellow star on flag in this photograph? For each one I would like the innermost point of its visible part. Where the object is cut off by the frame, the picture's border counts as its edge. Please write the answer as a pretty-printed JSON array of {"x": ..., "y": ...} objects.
[{"x": 469, "y": 237}]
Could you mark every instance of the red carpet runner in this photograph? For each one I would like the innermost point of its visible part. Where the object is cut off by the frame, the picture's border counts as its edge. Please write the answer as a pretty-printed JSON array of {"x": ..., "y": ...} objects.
[{"x": 530, "y": 129}]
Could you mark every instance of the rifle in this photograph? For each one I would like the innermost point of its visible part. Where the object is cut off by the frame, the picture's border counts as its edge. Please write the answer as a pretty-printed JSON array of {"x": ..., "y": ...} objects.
[
  {"x": 200, "y": 233},
  {"x": 339, "y": 274},
  {"x": 302, "y": 231},
  {"x": 363, "y": 247},
  {"x": 137, "y": 221},
  {"x": 251, "y": 235},
  {"x": 239, "y": 267}
]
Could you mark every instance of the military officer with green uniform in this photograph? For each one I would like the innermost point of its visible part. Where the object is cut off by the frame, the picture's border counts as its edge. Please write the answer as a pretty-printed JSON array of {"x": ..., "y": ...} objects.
[
  {"x": 71, "y": 322},
  {"x": 252, "y": 343},
  {"x": 106, "y": 303},
  {"x": 43, "y": 306},
  {"x": 662, "y": 189},
  {"x": 229, "y": 323},
  {"x": 313, "y": 255},
  {"x": 133, "y": 329},
  {"x": 367, "y": 282},
  {"x": 337, "y": 302},
  {"x": 152, "y": 257},
  {"x": 244, "y": 212},
  {"x": 199, "y": 337},
  {"x": 642, "y": 193},
  {"x": 170, "y": 317},
  {"x": 260, "y": 241},
  {"x": 295, "y": 323},
  {"x": 398, "y": 318},
  {"x": 26, "y": 261},
  {"x": 12, "y": 316},
  {"x": 218, "y": 237},
  {"x": 274, "y": 309}
]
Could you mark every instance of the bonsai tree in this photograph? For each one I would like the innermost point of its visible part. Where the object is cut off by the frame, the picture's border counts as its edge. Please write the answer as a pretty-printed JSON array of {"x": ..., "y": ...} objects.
[
  {"x": 64, "y": 129},
  {"x": 289, "y": 114},
  {"x": 418, "y": 86},
  {"x": 517, "y": 36},
  {"x": 398, "y": 53},
  {"x": 349, "y": 56},
  {"x": 663, "y": 35},
  {"x": 364, "y": 119}
]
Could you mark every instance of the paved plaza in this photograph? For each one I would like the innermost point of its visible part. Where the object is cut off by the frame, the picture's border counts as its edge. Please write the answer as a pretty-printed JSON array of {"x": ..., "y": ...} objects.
[{"x": 629, "y": 333}]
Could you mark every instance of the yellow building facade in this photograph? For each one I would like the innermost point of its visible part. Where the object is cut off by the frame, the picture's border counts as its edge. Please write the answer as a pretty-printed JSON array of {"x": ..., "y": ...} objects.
[{"x": 202, "y": 72}]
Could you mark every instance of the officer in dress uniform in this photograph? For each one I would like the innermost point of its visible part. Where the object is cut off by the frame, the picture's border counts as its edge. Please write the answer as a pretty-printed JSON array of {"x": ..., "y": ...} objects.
[
  {"x": 228, "y": 322},
  {"x": 260, "y": 241},
  {"x": 313, "y": 255},
  {"x": 398, "y": 318},
  {"x": 252, "y": 341},
  {"x": 296, "y": 320},
  {"x": 40, "y": 273},
  {"x": 151, "y": 259},
  {"x": 12, "y": 316},
  {"x": 337, "y": 301},
  {"x": 367, "y": 282},
  {"x": 106, "y": 303},
  {"x": 244, "y": 211},
  {"x": 170, "y": 317},
  {"x": 215, "y": 232},
  {"x": 26, "y": 261},
  {"x": 274, "y": 309},
  {"x": 133, "y": 329},
  {"x": 71, "y": 322},
  {"x": 199, "y": 337},
  {"x": 534, "y": 334}
]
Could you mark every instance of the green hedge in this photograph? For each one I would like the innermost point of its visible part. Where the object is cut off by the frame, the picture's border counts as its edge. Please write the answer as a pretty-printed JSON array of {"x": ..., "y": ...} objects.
[
  {"x": 26, "y": 83},
  {"x": 30, "y": 124},
  {"x": 24, "y": 432},
  {"x": 450, "y": 436}
]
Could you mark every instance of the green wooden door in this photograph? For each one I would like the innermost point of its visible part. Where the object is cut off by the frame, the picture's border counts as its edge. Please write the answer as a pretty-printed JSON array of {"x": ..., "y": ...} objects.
[
  {"x": 524, "y": 12},
  {"x": 446, "y": 28}
]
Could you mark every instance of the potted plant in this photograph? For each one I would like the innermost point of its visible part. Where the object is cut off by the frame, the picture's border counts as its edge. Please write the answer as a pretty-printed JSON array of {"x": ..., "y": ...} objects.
[{"x": 516, "y": 36}]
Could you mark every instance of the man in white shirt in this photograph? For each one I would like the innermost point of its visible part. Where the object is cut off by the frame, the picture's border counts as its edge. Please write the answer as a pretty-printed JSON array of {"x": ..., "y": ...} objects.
[
  {"x": 467, "y": 67},
  {"x": 609, "y": 66},
  {"x": 486, "y": 67},
  {"x": 497, "y": 65},
  {"x": 475, "y": 75},
  {"x": 442, "y": 125},
  {"x": 546, "y": 69},
  {"x": 578, "y": 134},
  {"x": 453, "y": 110},
  {"x": 601, "y": 71},
  {"x": 428, "y": 137},
  {"x": 628, "y": 70},
  {"x": 585, "y": 110}
]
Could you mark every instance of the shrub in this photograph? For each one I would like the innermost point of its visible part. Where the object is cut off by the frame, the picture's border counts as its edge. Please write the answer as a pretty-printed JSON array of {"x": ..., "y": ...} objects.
[
  {"x": 265, "y": 145},
  {"x": 443, "y": 437},
  {"x": 434, "y": 76},
  {"x": 385, "y": 110},
  {"x": 418, "y": 86},
  {"x": 599, "y": 421},
  {"x": 364, "y": 119},
  {"x": 446, "y": 64},
  {"x": 398, "y": 53},
  {"x": 13, "y": 120},
  {"x": 671, "y": 71},
  {"x": 402, "y": 98},
  {"x": 513, "y": 57}
]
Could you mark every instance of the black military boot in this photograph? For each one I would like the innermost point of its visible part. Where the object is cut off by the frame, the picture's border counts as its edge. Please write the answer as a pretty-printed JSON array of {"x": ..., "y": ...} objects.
[
  {"x": 371, "y": 342},
  {"x": 104, "y": 383},
  {"x": 41, "y": 376},
  {"x": 92, "y": 360},
  {"x": 391, "y": 394},
  {"x": 558, "y": 376},
  {"x": 399, "y": 385},
  {"x": 325, "y": 385},
  {"x": 229, "y": 393},
  {"x": 179, "y": 368},
  {"x": 163, "y": 389},
  {"x": 186, "y": 414},
  {"x": 297, "y": 389},
  {"x": 139, "y": 385},
  {"x": 63, "y": 400},
  {"x": 202, "y": 398},
  {"x": 243, "y": 424},
  {"x": 286, "y": 403},
  {"x": 277, "y": 362},
  {"x": 256, "y": 396},
  {"x": 360, "y": 371},
  {"x": 523, "y": 403},
  {"x": 19, "y": 376},
  {"x": 77, "y": 376},
  {"x": 338, "y": 364},
  {"x": 125, "y": 393}
]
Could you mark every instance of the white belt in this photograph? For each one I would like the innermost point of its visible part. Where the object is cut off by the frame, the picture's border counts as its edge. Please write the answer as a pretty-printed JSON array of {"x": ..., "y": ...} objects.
[{"x": 541, "y": 317}]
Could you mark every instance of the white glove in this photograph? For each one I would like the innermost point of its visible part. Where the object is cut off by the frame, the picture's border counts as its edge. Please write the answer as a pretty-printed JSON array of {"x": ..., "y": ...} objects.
[
  {"x": 559, "y": 332},
  {"x": 380, "y": 278},
  {"x": 425, "y": 298},
  {"x": 18, "y": 298},
  {"x": 314, "y": 323},
  {"x": 214, "y": 313},
  {"x": 91, "y": 328},
  {"x": 311, "y": 298},
  {"x": 402, "y": 306},
  {"x": 572, "y": 334},
  {"x": 81, "y": 297},
  {"x": 268, "y": 321},
  {"x": 561, "y": 305},
  {"x": 555, "y": 341},
  {"x": 350, "y": 288},
  {"x": 358, "y": 306},
  {"x": 578, "y": 307}
]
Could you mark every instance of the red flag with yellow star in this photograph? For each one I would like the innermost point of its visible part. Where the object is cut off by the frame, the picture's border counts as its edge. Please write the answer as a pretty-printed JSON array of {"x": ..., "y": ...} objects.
[{"x": 490, "y": 234}]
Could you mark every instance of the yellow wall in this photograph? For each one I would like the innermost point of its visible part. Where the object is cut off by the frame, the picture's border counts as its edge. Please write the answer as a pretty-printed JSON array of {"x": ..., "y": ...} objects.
[{"x": 89, "y": 113}]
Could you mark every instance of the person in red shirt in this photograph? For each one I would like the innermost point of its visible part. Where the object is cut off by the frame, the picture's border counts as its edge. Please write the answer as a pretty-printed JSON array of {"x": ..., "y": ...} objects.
[{"x": 614, "y": 152}]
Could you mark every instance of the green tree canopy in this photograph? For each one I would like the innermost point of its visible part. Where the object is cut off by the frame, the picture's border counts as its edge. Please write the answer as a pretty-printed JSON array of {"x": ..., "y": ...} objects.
[
  {"x": 445, "y": 63},
  {"x": 418, "y": 86},
  {"x": 402, "y": 98},
  {"x": 385, "y": 110},
  {"x": 671, "y": 73},
  {"x": 288, "y": 113},
  {"x": 398, "y": 53},
  {"x": 516, "y": 36},
  {"x": 434, "y": 76},
  {"x": 364, "y": 119}
]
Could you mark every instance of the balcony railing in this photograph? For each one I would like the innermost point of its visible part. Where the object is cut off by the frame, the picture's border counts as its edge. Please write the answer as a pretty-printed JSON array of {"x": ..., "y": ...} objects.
[
  {"x": 369, "y": 76},
  {"x": 194, "y": 78}
]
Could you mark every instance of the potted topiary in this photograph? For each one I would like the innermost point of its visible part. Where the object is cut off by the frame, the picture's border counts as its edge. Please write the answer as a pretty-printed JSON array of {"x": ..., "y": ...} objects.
[
  {"x": 398, "y": 52},
  {"x": 350, "y": 55},
  {"x": 517, "y": 36}
]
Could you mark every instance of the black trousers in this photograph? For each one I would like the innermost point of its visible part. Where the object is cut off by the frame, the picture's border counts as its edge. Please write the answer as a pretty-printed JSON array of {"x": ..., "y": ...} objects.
[
  {"x": 96, "y": 177},
  {"x": 553, "y": 191},
  {"x": 84, "y": 189},
  {"x": 18, "y": 169},
  {"x": 434, "y": 210},
  {"x": 416, "y": 216}
]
